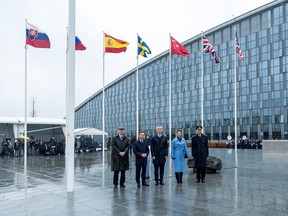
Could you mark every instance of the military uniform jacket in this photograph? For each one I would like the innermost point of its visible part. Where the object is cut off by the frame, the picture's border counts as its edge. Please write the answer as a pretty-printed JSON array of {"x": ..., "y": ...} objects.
[
  {"x": 140, "y": 148},
  {"x": 119, "y": 163},
  {"x": 200, "y": 150},
  {"x": 159, "y": 149}
]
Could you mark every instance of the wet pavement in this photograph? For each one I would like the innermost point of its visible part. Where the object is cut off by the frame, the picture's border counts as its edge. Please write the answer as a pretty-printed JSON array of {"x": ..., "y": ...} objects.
[{"x": 252, "y": 183}]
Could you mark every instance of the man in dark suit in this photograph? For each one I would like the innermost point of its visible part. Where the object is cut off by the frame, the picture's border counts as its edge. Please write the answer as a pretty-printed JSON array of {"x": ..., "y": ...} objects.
[
  {"x": 200, "y": 152},
  {"x": 141, "y": 150},
  {"x": 159, "y": 151},
  {"x": 120, "y": 156}
]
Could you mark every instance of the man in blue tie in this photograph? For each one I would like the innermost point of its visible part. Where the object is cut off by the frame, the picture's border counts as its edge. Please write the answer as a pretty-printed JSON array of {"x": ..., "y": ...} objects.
[{"x": 141, "y": 150}]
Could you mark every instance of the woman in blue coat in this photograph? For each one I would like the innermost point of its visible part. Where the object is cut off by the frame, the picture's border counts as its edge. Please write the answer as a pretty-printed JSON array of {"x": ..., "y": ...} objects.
[{"x": 179, "y": 152}]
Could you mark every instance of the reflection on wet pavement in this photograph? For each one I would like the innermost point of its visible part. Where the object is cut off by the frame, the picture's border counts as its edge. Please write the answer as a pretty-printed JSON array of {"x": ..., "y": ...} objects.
[{"x": 254, "y": 184}]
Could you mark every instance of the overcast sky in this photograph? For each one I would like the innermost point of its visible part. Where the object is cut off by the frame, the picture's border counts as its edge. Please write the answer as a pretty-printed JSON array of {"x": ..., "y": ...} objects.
[{"x": 152, "y": 19}]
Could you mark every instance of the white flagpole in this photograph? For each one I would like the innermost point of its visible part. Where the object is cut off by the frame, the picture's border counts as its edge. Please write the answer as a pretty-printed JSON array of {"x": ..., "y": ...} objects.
[
  {"x": 25, "y": 109},
  {"x": 235, "y": 92},
  {"x": 70, "y": 100},
  {"x": 67, "y": 90},
  {"x": 202, "y": 85},
  {"x": 170, "y": 95},
  {"x": 103, "y": 100},
  {"x": 137, "y": 93}
]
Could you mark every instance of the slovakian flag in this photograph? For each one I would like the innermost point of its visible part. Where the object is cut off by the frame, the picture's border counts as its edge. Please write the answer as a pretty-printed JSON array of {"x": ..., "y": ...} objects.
[
  {"x": 36, "y": 37},
  {"x": 114, "y": 45},
  {"x": 78, "y": 44},
  {"x": 207, "y": 47},
  {"x": 178, "y": 48}
]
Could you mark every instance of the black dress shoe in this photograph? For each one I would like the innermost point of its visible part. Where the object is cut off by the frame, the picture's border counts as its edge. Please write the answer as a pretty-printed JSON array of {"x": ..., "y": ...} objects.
[
  {"x": 145, "y": 184},
  {"x": 198, "y": 180},
  {"x": 203, "y": 180},
  {"x": 157, "y": 183},
  {"x": 138, "y": 185},
  {"x": 161, "y": 183},
  {"x": 122, "y": 185}
]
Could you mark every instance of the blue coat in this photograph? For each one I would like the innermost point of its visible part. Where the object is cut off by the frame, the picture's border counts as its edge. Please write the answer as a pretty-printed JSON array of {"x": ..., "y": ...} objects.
[{"x": 178, "y": 153}]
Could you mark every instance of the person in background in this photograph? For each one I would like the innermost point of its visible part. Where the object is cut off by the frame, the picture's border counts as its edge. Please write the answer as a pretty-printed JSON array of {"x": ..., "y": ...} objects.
[
  {"x": 179, "y": 152},
  {"x": 148, "y": 167}
]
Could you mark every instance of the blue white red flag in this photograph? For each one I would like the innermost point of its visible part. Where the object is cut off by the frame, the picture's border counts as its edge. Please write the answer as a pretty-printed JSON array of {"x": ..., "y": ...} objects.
[
  {"x": 237, "y": 46},
  {"x": 78, "y": 44},
  {"x": 36, "y": 37},
  {"x": 207, "y": 47}
]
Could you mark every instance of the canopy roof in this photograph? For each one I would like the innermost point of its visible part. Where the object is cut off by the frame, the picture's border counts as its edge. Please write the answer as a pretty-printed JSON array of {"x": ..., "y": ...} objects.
[
  {"x": 32, "y": 120},
  {"x": 88, "y": 131}
]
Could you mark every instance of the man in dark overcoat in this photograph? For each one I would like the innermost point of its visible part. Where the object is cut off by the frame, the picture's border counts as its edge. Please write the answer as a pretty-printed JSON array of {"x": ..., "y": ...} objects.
[
  {"x": 159, "y": 151},
  {"x": 120, "y": 156},
  {"x": 141, "y": 150},
  {"x": 200, "y": 153}
]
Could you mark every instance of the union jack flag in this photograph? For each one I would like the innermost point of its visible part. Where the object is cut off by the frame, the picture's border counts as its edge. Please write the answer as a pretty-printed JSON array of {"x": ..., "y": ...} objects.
[
  {"x": 237, "y": 46},
  {"x": 207, "y": 47}
]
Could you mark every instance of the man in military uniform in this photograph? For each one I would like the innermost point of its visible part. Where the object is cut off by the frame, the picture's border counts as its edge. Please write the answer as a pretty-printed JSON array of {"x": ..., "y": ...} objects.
[
  {"x": 120, "y": 156},
  {"x": 200, "y": 153}
]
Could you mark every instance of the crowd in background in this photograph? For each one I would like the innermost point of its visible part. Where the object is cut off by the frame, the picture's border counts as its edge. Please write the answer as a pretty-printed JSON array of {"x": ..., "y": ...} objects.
[
  {"x": 46, "y": 147},
  {"x": 245, "y": 143}
]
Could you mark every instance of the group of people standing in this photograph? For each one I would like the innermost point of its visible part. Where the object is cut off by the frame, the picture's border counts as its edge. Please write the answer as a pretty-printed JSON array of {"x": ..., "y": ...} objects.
[{"x": 157, "y": 148}]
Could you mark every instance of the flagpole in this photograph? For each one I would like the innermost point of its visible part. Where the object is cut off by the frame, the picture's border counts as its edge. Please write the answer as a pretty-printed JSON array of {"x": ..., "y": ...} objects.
[
  {"x": 202, "y": 86},
  {"x": 170, "y": 95},
  {"x": 25, "y": 109},
  {"x": 235, "y": 93},
  {"x": 70, "y": 100},
  {"x": 103, "y": 100},
  {"x": 67, "y": 90},
  {"x": 137, "y": 93}
]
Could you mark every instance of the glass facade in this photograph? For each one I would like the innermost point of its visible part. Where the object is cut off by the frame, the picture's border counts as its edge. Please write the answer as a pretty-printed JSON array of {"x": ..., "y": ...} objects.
[{"x": 262, "y": 84}]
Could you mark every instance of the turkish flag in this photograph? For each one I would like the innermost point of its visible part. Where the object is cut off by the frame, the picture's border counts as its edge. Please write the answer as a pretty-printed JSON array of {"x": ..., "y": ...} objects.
[{"x": 178, "y": 48}]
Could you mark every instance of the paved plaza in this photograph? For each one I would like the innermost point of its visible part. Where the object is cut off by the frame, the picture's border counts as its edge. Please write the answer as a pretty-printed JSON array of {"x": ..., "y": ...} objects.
[{"x": 254, "y": 183}]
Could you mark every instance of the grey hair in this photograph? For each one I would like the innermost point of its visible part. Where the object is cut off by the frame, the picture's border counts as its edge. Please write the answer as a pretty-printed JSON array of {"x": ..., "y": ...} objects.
[{"x": 159, "y": 126}]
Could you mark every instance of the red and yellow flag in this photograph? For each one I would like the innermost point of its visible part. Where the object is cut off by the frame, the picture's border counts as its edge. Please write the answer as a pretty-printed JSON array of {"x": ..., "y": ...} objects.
[{"x": 114, "y": 45}]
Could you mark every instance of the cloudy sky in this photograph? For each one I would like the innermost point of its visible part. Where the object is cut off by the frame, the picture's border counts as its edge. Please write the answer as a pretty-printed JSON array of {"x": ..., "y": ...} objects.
[{"x": 152, "y": 19}]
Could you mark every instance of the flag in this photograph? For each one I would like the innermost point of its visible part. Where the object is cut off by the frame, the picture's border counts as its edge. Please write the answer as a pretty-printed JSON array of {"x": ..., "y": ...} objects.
[
  {"x": 207, "y": 47},
  {"x": 237, "y": 46},
  {"x": 36, "y": 37},
  {"x": 178, "y": 48},
  {"x": 143, "y": 48},
  {"x": 114, "y": 45},
  {"x": 78, "y": 44}
]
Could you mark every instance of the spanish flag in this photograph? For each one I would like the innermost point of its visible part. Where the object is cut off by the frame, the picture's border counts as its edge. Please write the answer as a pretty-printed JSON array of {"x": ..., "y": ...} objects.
[{"x": 114, "y": 45}]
